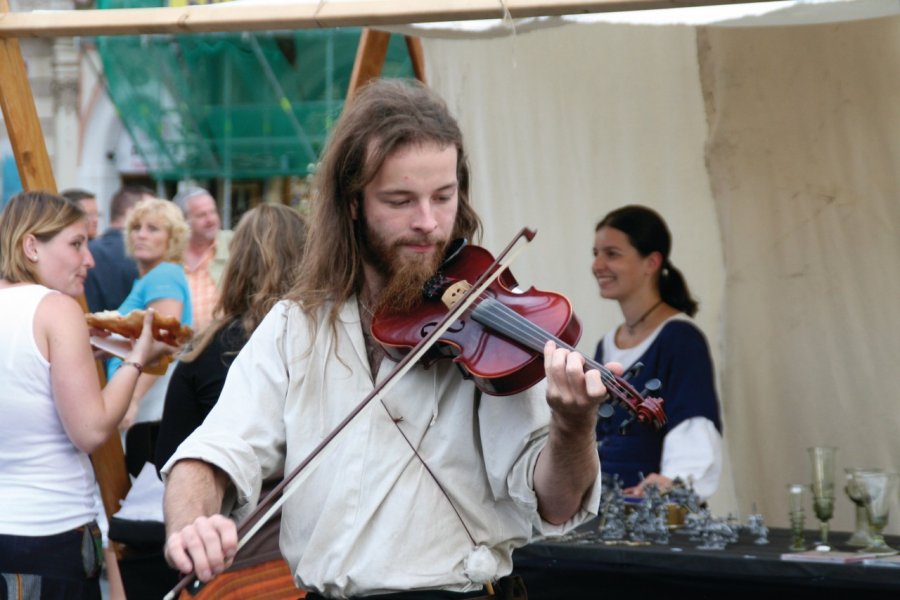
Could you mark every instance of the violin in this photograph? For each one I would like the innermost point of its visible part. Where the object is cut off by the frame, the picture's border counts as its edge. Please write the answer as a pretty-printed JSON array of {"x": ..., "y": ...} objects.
[{"x": 499, "y": 340}]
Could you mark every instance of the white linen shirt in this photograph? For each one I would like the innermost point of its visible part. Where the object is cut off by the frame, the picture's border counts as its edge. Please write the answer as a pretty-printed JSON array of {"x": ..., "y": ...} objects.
[{"x": 370, "y": 519}]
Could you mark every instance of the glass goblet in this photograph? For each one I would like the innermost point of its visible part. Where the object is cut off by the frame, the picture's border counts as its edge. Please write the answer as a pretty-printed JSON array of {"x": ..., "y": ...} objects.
[
  {"x": 861, "y": 537},
  {"x": 823, "y": 507},
  {"x": 822, "y": 459},
  {"x": 878, "y": 490}
]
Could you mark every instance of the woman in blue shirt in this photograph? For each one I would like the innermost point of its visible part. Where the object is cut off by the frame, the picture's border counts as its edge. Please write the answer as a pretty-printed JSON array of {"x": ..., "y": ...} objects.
[
  {"x": 156, "y": 236},
  {"x": 632, "y": 266}
]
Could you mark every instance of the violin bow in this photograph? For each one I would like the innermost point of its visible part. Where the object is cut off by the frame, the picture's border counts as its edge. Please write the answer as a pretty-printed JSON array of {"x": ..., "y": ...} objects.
[{"x": 273, "y": 501}]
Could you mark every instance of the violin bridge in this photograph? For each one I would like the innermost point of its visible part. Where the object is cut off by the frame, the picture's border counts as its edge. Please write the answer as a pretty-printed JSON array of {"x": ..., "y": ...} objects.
[{"x": 455, "y": 292}]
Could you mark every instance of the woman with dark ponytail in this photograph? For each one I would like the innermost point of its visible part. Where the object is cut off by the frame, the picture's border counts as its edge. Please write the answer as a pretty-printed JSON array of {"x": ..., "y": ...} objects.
[{"x": 632, "y": 266}]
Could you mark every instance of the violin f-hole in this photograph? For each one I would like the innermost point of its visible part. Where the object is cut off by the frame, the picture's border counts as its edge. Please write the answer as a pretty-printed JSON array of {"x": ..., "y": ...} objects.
[{"x": 458, "y": 326}]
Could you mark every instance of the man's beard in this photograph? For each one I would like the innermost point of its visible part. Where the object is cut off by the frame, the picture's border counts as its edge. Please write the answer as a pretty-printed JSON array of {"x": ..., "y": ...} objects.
[{"x": 405, "y": 275}]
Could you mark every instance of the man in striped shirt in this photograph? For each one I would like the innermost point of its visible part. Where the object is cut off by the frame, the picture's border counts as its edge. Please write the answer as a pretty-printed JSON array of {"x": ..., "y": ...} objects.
[{"x": 206, "y": 253}]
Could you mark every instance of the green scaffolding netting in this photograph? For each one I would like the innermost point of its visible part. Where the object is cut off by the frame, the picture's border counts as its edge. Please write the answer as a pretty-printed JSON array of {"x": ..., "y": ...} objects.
[{"x": 237, "y": 106}]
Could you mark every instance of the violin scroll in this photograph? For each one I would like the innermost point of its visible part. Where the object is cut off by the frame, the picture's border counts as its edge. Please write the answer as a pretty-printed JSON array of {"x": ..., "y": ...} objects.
[
  {"x": 651, "y": 411},
  {"x": 647, "y": 409}
]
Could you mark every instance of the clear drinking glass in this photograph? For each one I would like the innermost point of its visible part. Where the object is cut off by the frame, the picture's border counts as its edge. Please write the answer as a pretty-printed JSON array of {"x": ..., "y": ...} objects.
[
  {"x": 822, "y": 459},
  {"x": 878, "y": 490},
  {"x": 796, "y": 503},
  {"x": 862, "y": 536}
]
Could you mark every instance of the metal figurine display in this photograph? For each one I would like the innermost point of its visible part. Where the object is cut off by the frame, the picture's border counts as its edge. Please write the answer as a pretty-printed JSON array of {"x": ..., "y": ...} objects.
[
  {"x": 757, "y": 528},
  {"x": 649, "y": 519}
]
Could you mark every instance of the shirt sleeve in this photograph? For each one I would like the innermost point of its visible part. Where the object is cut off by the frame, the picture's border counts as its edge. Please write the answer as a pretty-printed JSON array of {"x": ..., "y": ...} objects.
[
  {"x": 693, "y": 452},
  {"x": 248, "y": 445},
  {"x": 167, "y": 281},
  {"x": 511, "y": 458}
]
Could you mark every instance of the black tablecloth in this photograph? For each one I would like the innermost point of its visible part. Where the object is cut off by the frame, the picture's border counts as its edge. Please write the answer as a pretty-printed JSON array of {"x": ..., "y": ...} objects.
[{"x": 583, "y": 566}]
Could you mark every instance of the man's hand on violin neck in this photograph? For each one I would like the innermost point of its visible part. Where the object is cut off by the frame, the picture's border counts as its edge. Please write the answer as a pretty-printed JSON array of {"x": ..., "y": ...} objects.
[
  {"x": 572, "y": 393},
  {"x": 568, "y": 464}
]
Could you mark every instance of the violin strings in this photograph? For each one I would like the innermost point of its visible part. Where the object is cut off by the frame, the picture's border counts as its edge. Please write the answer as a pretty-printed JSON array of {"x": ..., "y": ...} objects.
[
  {"x": 532, "y": 335},
  {"x": 524, "y": 331}
]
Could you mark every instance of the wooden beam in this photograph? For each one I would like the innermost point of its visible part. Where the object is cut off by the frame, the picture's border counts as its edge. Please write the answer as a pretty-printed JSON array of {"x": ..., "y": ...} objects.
[
  {"x": 20, "y": 116},
  {"x": 370, "y": 56},
  {"x": 306, "y": 15},
  {"x": 111, "y": 474},
  {"x": 416, "y": 56}
]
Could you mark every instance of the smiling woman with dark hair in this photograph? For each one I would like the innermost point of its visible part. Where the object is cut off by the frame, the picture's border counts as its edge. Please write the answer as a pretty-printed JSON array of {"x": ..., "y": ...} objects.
[{"x": 632, "y": 266}]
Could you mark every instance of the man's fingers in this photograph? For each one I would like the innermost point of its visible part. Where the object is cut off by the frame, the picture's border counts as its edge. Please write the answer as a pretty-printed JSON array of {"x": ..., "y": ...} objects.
[
  {"x": 176, "y": 555},
  {"x": 215, "y": 555},
  {"x": 594, "y": 384},
  {"x": 196, "y": 549},
  {"x": 567, "y": 380},
  {"x": 206, "y": 547},
  {"x": 226, "y": 538}
]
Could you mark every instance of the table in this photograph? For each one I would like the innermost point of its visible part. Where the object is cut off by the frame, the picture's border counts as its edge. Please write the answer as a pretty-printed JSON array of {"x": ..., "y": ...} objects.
[{"x": 586, "y": 567}]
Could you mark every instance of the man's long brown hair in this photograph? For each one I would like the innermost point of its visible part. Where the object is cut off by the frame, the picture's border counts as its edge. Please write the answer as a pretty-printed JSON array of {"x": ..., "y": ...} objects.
[{"x": 384, "y": 116}]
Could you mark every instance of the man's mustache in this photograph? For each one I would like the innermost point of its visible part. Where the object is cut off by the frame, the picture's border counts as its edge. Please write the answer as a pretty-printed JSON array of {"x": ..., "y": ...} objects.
[{"x": 426, "y": 241}]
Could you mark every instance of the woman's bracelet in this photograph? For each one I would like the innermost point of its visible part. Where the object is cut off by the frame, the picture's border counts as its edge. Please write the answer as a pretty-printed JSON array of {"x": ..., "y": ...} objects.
[{"x": 136, "y": 365}]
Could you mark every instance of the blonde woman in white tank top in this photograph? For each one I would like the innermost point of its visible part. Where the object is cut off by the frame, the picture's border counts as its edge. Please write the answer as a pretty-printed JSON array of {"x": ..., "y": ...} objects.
[{"x": 53, "y": 412}]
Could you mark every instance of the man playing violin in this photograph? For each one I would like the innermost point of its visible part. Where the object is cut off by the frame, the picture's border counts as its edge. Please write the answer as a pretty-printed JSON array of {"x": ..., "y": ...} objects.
[{"x": 427, "y": 492}]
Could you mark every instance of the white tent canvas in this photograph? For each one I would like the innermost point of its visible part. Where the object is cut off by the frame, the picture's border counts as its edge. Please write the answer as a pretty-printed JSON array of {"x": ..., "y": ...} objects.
[
  {"x": 773, "y": 153},
  {"x": 768, "y": 135}
]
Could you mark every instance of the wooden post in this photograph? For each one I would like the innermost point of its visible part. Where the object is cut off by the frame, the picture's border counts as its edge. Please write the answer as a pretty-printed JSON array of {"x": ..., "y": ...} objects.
[
  {"x": 21, "y": 118},
  {"x": 371, "y": 54},
  {"x": 417, "y": 56}
]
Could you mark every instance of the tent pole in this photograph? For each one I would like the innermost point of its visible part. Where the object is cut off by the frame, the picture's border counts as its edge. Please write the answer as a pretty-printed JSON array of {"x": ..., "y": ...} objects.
[
  {"x": 370, "y": 55},
  {"x": 417, "y": 56}
]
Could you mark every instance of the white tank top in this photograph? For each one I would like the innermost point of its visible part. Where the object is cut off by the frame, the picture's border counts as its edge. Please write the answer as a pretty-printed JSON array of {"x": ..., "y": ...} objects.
[{"x": 46, "y": 483}]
